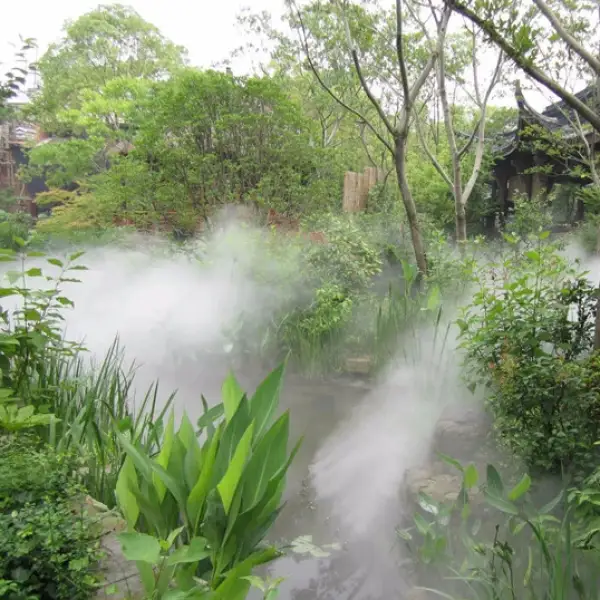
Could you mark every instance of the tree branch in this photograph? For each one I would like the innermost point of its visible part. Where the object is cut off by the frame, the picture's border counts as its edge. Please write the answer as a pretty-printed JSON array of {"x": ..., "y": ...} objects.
[
  {"x": 356, "y": 113},
  {"x": 482, "y": 105},
  {"x": 434, "y": 161},
  {"x": 416, "y": 88},
  {"x": 573, "y": 43},
  {"x": 370, "y": 96},
  {"x": 523, "y": 63},
  {"x": 363, "y": 82},
  {"x": 400, "y": 49},
  {"x": 471, "y": 139}
]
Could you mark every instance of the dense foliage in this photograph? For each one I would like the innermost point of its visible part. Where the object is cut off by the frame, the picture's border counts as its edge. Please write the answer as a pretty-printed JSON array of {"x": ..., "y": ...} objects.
[
  {"x": 142, "y": 142},
  {"x": 47, "y": 545},
  {"x": 529, "y": 336}
]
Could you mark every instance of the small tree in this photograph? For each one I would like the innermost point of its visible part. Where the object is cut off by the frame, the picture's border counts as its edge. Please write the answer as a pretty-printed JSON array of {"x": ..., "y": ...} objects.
[
  {"x": 460, "y": 183},
  {"x": 108, "y": 43},
  {"x": 391, "y": 118}
]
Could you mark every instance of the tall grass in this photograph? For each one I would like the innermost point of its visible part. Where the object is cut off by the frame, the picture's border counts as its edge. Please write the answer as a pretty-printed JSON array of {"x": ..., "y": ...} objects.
[
  {"x": 403, "y": 316},
  {"x": 92, "y": 402}
]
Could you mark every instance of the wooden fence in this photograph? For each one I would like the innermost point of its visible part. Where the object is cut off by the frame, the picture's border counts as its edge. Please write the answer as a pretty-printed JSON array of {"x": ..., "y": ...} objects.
[{"x": 357, "y": 187}]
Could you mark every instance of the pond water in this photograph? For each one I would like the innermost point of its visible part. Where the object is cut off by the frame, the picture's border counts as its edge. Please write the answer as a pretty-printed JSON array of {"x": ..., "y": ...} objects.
[{"x": 359, "y": 438}]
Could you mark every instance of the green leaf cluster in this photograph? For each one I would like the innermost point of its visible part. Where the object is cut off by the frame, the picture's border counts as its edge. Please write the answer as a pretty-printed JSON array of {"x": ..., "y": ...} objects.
[{"x": 198, "y": 510}]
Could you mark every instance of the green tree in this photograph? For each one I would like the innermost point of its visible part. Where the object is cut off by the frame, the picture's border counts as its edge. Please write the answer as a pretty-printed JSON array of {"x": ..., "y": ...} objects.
[
  {"x": 391, "y": 77},
  {"x": 110, "y": 42},
  {"x": 15, "y": 77},
  {"x": 194, "y": 142},
  {"x": 553, "y": 42},
  {"x": 466, "y": 156}
]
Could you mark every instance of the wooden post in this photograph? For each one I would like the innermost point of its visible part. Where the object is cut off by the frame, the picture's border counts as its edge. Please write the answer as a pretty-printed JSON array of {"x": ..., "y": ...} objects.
[
  {"x": 363, "y": 191},
  {"x": 350, "y": 191},
  {"x": 357, "y": 187}
]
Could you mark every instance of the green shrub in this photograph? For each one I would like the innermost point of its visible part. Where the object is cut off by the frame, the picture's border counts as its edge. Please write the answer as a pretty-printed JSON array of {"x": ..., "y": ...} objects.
[
  {"x": 528, "y": 335},
  {"x": 13, "y": 224},
  {"x": 47, "y": 550},
  {"x": 30, "y": 472},
  {"x": 200, "y": 509}
]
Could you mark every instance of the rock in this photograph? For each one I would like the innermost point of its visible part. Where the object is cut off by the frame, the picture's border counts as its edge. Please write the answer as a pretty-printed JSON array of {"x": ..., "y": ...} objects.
[
  {"x": 441, "y": 487},
  {"x": 119, "y": 577},
  {"x": 460, "y": 437},
  {"x": 359, "y": 365}
]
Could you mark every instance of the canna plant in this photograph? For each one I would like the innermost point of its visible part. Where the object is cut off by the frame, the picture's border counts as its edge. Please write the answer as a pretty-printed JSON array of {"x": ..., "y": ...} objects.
[{"x": 198, "y": 510}]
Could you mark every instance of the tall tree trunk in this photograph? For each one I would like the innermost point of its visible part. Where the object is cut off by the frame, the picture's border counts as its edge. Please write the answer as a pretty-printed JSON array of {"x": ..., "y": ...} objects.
[
  {"x": 409, "y": 204},
  {"x": 461, "y": 224}
]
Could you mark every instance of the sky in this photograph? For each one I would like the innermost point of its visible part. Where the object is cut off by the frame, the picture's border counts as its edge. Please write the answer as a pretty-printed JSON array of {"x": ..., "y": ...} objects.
[{"x": 207, "y": 28}]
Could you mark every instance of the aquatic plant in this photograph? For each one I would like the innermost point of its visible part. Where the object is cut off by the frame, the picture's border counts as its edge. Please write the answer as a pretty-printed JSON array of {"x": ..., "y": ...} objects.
[{"x": 198, "y": 511}]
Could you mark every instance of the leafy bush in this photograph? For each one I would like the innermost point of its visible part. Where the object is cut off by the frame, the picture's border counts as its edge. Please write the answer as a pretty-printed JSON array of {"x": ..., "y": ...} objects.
[
  {"x": 202, "y": 509},
  {"x": 349, "y": 258},
  {"x": 13, "y": 224},
  {"x": 30, "y": 472},
  {"x": 47, "y": 550},
  {"x": 528, "y": 335}
]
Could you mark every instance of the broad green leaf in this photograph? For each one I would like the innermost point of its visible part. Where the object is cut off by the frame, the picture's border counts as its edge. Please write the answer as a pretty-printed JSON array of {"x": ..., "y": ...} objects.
[
  {"x": 232, "y": 434},
  {"x": 421, "y": 523},
  {"x": 267, "y": 458},
  {"x": 197, "y": 497},
  {"x": 451, "y": 461},
  {"x": 126, "y": 481},
  {"x": 142, "y": 463},
  {"x": 501, "y": 504},
  {"x": 140, "y": 547},
  {"x": 176, "y": 466},
  {"x": 164, "y": 455},
  {"x": 427, "y": 503},
  {"x": 150, "y": 508},
  {"x": 210, "y": 416},
  {"x": 192, "y": 466},
  {"x": 192, "y": 462},
  {"x": 274, "y": 492},
  {"x": 231, "y": 393},
  {"x": 471, "y": 476},
  {"x": 229, "y": 483},
  {"x": 494, "y": 481},
  {"x": 147, "y": 576},
  {"x": 256, "y": 582},
  {"x": 233, "y": 586},
  {"x": 195, "y": 552},
  {"x": 76, "y": 255},
  {"x": 56, "y": 262},
  {"x": 265, "y": 400},
  {"x": 173, "y": 536},
  {"x": 186, "y": 433},
  {"x": 520, "y": 489},
  {"x": 172, "y": 485},
  {"x": 434, "y": 298},
  {"x": 34, "y": 272}
]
